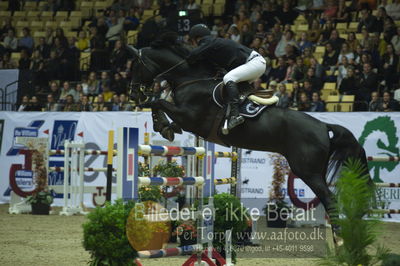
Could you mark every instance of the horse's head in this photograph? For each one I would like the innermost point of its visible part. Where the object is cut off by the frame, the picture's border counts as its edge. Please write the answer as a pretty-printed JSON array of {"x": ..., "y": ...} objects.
[{"x": 144, "y": 69}]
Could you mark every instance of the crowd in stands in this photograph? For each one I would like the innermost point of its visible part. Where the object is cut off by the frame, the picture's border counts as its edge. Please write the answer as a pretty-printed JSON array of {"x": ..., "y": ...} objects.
[{"x": 365, "y": 63}]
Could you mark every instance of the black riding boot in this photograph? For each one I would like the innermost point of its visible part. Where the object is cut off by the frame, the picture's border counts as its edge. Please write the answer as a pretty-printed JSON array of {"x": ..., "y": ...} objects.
[{"x": 235, "y": 118}]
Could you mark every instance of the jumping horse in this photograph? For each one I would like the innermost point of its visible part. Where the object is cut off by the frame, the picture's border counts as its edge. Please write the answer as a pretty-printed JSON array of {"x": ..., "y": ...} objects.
[{"x": 314, "y": 150}]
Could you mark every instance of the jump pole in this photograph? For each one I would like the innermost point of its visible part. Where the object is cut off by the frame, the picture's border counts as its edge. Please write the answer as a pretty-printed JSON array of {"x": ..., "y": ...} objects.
[{"x": 110, "y": 156}]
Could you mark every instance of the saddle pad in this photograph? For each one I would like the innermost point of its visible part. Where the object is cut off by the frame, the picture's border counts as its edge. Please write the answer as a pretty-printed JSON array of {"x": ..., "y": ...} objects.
[{"x": 247, "y": 108}]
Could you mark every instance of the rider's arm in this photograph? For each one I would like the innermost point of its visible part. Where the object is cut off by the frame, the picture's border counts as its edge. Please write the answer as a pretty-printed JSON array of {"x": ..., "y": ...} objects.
[{"x": 196, "y": 54}]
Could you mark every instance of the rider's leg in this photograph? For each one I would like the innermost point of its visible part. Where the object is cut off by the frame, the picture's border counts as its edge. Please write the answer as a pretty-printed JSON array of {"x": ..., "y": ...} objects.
[{"x": 250, "y": 71}]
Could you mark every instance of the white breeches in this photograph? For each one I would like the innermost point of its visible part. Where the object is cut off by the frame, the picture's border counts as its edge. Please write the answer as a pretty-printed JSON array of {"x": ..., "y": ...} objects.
[{"x": 250, "y": 71}]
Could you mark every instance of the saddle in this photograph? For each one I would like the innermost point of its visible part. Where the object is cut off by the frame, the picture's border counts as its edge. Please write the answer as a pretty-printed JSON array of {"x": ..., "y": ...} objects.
[{"x": 252, "y": 102}]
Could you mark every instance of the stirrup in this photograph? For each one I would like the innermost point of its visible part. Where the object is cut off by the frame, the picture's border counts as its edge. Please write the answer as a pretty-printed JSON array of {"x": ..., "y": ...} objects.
[{"x": 235, "y": 121}]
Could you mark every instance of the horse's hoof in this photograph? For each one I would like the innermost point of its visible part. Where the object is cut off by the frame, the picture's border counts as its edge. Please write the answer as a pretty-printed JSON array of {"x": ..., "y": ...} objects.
[
  {"x": 177, "y": 129},
  {"x": 168, "y": 134}
]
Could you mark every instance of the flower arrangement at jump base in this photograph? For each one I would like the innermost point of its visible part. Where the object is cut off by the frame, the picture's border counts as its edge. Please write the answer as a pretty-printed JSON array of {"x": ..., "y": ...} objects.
[
  {"x": 41, "y": 198},
  {"x": 187, "y": 233},
  {"x": 276, "y": 197}
]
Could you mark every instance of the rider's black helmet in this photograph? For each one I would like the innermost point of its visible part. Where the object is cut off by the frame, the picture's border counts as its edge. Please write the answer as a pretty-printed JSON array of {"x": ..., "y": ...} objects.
[{"x": 199, "y": 30}]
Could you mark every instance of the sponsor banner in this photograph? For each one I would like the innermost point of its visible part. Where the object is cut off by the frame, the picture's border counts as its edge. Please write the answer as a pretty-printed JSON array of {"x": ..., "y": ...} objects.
[{"x": 377, "y": 132}]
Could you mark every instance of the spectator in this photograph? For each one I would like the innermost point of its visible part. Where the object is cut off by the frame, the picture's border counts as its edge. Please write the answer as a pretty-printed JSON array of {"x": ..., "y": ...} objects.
[
  {"x": 98, "y": 55},
  {"x": 101, "y": 27},
  {"x": 234, "y": 33},
  {"x": 315, "y": 32},
  {"x": 99, "y": 104},
  {"x": 243, "y": 19},
  {"x": 67, "y": 90},
  {"x": 61, "y": 36},
  {"x": 304, "y": 103},
  {"x": 291, "y": 64},
  {"x": 269, "y": 15},
  {"x": 330, "y": 57},
  {"x": 277, "y": 31},
  {"x": 43, "y": 48},
  {"x": 115, "y": 103},
  {"x": 26, "y": 41},
  {"x": 260, "y": 32},
  {"x": 104, "y": 79},
  {"x": 167, "y": 8},
  {"x": 156, "y": 92},
  {"x": 387, "y": 104},
  {"x": 132, "y": 22},
  {"x": 271, "y": 44},
  {"x": 51, "y": 105},
  {"x": 93, "y": 84},
  {"x": 246, "y": 36},
  {"x": 166, "y": 93},
  {"x": 24, "y": 62},
  {"x": 34, "y": 105},
  {"x": 83, "y": 42},
  {"x": 84, "y": 105},
  {"x": 316, "y": 104},
  {"x": 283, "y": 96},
  {"x": 375, "y": 102},
  {"x": 396, "y": 41},
  {"x": 368, "y": 82},
  {"x": 307, "y": 56},
  {"x": 318, "y": 68},
  {"x": 342, "y": 69},
  {"x": 52, "y": 66},
  {"x": 55, "y": 91},
  {"x": 295, "y": 95},
  {"x": 287, "y": 14},
  {"x": 72, "y": 63},
  {"x": 308, "y": 89},
  {"x": 37, "y": 68},
  {"x": 114, "y": 32},
  {"x": 300, "y": 70},
  {"x": 70, "y": 105},
  {"x": 350, "y": 84},
  {"x": 331, "y": 10},
  {"x": 346, "y": 52},
  {"x": 368, "y": 21},
  {"x": 49, "y": 36},
  {"x": 7, "y": 62},
  {"x": 285, "y": 40},
  {"x": 304, "y": 43},
  {"x": 380, "y": 19},
  {"x": 326, "y": 32},
  {"x": 7, "y": 26},
  {"x": 124, "y": 104},
  {"x": 119, "y": 84},
  {"x": 279, "y": 73},
  {"x": 344, "y": 12},
  {"x": 352, "y": 41},
  {"x": 10, "y": 41},
  {"x": 107, "y": 93},
  {"x": 273, "y": 86},
  {"x": 24, "y": 104},
  {"x": 389, "y": 66},
  {"x": 335, "y": 40},
  {"x": 393, "y": 9},
  {"x": 316, "y": 82}
]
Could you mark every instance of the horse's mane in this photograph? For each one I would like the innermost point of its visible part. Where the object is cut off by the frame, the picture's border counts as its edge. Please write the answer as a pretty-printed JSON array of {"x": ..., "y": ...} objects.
[{"x": 169, "y": 40}]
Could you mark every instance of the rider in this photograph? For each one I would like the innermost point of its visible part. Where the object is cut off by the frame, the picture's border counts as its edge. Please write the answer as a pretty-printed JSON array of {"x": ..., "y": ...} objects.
[{"x": 241, "y": 62}]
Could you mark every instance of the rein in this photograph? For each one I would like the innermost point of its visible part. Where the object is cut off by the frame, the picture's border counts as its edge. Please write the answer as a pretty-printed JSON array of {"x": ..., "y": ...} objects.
[
  {"x": 192, "y": 82},
  {"x": 170, "y": 69}
]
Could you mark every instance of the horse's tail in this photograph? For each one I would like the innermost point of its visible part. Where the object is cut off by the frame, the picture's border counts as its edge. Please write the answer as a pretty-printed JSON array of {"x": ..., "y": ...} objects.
[{"x": 343, "y": 145}]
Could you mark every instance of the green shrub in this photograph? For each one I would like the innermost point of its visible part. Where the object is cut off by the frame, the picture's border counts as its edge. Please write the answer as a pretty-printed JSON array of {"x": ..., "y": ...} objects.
[
  {"x": 104, "y": 235},
  {"x": 354, "y": 199}
]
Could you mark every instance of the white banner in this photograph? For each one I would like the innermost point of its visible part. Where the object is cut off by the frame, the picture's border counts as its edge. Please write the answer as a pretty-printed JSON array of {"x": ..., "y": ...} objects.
[{"x": 377, "y": 132}]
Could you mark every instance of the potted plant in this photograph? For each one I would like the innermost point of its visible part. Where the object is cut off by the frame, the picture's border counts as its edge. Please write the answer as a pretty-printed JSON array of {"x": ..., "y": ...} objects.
[
  {"x": 41, "y": 198},
  {"x": 40, "y": 202},
  {"x": 187, "y": 233},
  {"x": 276, "y": 210}
]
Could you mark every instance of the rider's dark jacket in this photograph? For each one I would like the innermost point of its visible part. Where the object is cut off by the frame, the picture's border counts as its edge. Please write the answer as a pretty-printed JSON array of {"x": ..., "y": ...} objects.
[{"x": 225, "y": 53}]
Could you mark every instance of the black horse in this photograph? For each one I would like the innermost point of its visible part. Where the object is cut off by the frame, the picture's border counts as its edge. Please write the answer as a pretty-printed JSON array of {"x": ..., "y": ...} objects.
[{"x": 314, "y": 149}]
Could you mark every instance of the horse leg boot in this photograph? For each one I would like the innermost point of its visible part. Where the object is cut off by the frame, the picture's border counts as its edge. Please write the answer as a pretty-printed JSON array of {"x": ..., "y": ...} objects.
[
  {"x": 235, "y": 118},
  {"x": 160, "y": 121}
]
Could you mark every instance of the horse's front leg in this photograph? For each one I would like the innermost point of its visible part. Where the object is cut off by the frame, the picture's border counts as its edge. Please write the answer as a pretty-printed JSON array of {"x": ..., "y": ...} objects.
[{"x": 161, "y": 122}]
